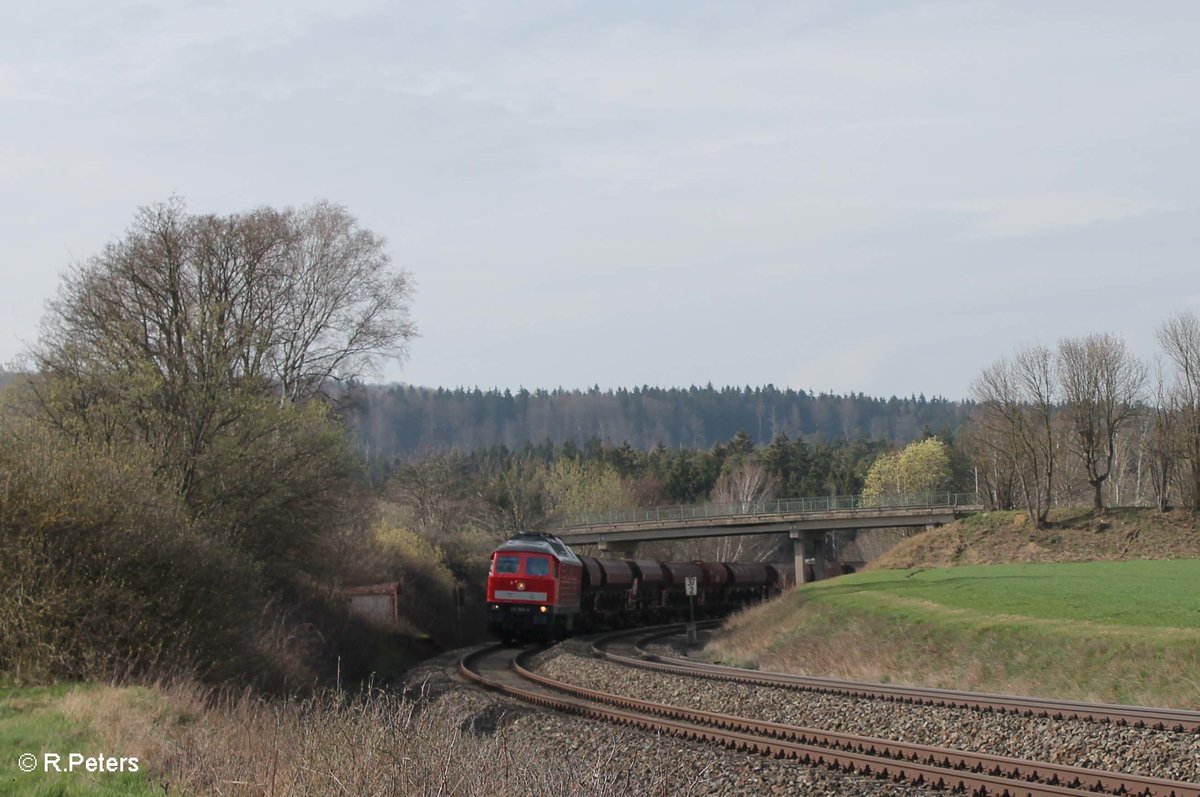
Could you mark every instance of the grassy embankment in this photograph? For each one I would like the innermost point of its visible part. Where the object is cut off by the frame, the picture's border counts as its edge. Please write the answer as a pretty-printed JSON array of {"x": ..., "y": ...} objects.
[
  {"x": 192, "y": 741},
  {"x": 46, "y": 719},
  {"x": 1116, "y": 631}
]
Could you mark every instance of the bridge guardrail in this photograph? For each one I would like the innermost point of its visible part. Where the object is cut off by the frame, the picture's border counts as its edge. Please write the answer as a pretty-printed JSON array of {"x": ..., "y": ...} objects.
[{"x": 783, "y": 506}]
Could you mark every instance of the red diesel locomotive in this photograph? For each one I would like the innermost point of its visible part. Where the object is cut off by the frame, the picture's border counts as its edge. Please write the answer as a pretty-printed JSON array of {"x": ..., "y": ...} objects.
[
  {"x": 533, "y": 588},
  {"x": 538, "y": 589}
]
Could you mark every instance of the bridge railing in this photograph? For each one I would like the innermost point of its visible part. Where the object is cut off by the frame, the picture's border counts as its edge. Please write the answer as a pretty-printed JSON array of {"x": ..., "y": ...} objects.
[{"x": 783, "y": 506}]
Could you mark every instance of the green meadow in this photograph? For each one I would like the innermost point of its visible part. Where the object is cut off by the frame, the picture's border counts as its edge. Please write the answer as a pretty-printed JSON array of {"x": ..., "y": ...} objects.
[
  {"x": 1126, "y": 632},
  {"x": 1076, "y": 595},
  {"x": 37, "y": 720}
]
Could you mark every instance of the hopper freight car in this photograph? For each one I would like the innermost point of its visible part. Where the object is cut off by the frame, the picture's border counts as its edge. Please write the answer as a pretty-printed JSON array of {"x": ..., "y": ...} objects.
[{"x": 538, "y": 589}]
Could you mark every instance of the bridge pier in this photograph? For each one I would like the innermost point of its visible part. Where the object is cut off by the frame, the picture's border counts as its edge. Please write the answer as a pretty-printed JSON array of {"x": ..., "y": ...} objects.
[
  {"x": 802, "y": 543},
  {"x": 619, "y": 549}
]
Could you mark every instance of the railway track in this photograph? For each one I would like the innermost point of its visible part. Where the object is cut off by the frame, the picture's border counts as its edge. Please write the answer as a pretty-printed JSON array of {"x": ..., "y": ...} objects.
[
  {"x": 507, "y": 671},
  {"x": 1167, "y": 719}
]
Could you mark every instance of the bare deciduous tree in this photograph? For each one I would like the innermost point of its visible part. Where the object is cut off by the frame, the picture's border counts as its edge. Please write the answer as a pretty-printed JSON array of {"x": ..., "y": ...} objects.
[
  {"x": 341, "y": 308},
  {"x": 988, "y": 445},
  {"x": 163, "y": 335},
  {"x": 744, "y": 482},
  {"x": 1161, "y": 439},
  {"x": 430, "y": 490},
  {"x": 1180, "y": 339},
  {"x": 1035, "y": 373},
  {"x": 512, "y": 495},
  {"x": 1102, "y": 386},
  {"x": 1016, "y": 412}
]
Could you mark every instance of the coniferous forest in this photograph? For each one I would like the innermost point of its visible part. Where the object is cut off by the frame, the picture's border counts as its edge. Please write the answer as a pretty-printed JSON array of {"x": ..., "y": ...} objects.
[{"x": 402, "y": 422}]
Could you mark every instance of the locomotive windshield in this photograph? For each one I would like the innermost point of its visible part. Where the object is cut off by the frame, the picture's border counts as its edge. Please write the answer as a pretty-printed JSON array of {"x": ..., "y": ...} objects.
[
  {"x": 506, "y": 564},
  {"x": 537, "y": 566}
]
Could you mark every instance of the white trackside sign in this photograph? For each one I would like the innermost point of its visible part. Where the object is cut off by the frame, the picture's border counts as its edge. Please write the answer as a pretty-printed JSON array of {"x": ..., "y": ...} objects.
[{"x": 689, "y": 585}]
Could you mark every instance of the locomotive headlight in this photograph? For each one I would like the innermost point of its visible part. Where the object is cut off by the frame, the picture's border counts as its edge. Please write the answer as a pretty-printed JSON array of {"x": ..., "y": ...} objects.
[
  {"x": 521, "y": 586},
  {"x": 542, "y": 609}
]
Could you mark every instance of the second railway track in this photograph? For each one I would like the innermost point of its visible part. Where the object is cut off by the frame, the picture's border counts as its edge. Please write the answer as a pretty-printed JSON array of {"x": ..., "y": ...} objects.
[
  {"x": 1180, "y": 720},
  {"x": 945, "y": 768}
]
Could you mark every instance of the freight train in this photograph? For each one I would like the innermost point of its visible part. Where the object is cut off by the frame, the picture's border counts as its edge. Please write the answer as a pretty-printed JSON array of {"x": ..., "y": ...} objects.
[{"x": 538, "y": 589}]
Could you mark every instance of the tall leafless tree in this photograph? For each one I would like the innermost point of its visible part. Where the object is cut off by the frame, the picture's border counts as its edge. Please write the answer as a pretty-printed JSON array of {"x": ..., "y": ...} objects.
[
  {"x": 991, "y": 450},
  {"x": 159, "y": 334},
  {"x": 744, "y": 482},
  {"x": 1102, "y": 388},
  {"x": 1035, "y": 373},
  {"x": 1016, "y": 402},
  {"x": 1160, "y": 438},
  {"x": 1180, "y": 339},
  {"x": 429, "y": 490},
  {"x": 342, "y": 307}
]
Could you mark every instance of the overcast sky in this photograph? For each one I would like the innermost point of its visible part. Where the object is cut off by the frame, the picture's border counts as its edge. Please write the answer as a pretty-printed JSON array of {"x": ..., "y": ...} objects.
[{"x": 878, "y": 197}]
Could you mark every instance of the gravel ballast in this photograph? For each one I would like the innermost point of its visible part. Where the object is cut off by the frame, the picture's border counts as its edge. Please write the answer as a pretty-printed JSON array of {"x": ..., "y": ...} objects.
[
  {"x": 541, "y": 752},
  {"x": 1162, "y": 754},
  {"x": 559, "y": 753}
]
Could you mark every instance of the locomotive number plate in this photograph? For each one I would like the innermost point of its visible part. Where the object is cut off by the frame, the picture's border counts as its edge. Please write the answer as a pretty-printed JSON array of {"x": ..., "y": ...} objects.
[{"x": 513, "y": 595}]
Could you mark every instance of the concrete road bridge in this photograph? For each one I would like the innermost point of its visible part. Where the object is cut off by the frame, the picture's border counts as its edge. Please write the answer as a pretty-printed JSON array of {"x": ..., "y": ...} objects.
[{"x": 806, "y": 520}]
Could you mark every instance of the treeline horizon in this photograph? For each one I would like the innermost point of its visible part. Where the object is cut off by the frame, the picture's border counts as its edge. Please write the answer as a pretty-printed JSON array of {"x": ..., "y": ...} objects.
[{"x": 402, "y": 422}]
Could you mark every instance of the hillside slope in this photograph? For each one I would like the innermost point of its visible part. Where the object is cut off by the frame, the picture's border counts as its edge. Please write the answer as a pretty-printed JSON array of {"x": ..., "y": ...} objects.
[
  {"x": 1101, "y": 609},
  {"x": 1074, "y": 536}
]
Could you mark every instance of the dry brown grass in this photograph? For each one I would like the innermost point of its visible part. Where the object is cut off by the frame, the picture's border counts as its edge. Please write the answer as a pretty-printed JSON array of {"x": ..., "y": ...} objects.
[
  {"x": 1075, "y": 535},
  {"x": 377, "y": 743},
  {"x": 834, "y": 640},
  {"x": 779, "y": 636}
]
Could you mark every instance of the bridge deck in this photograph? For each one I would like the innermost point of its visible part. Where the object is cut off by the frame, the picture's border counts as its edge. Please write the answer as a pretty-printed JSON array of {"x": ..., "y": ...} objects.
[{"x": 791, "y": 515}]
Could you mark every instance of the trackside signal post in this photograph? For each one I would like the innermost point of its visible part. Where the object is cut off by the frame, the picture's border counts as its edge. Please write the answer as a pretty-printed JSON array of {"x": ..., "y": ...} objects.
[{"x": 689, "y": 585}]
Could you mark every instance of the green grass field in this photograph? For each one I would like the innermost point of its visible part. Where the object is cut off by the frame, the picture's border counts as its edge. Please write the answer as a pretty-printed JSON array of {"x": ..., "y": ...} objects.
[
  {"x": 32, "y": 721},
  {"x": 1143, "y": 594},
  {"x": 1125, "y": 632}
]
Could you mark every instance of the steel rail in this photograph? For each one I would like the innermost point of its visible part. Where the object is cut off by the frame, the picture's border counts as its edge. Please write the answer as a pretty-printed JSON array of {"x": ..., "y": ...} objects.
[
  {"x": 1163, "y": 719},
  {"x": 919, "y": 764},
  {"x": 1019, "y": 769}
]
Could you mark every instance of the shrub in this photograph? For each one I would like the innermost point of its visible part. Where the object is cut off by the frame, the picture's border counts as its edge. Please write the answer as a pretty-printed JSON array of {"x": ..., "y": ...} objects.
[{"x": 103, "y": 573}]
